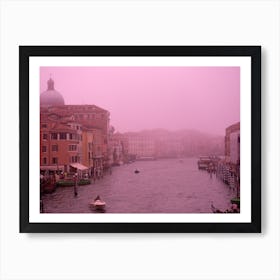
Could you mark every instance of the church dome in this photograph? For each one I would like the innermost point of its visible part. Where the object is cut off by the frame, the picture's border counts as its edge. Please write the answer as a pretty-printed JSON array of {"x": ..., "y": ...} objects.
[{"x": 51, "y": 97}]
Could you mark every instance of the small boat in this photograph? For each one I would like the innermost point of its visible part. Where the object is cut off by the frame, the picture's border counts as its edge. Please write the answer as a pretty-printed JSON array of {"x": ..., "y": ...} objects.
[
  {"x": 98, "y": 203},
  {"x": 203, "y": 162},
  {"x": 136, "y": 171}
]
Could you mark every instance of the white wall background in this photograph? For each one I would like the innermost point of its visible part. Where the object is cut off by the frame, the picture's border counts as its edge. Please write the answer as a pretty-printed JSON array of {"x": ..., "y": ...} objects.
[{"x": 139, "y": 256}]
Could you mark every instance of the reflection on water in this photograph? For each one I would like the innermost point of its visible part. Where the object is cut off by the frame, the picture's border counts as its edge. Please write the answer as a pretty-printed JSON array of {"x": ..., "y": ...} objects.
[{"x": 161, "y": 186}]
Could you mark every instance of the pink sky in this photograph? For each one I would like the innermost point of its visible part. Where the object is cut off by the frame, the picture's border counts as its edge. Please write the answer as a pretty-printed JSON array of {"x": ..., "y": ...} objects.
[{"x": 174, "y": 98}]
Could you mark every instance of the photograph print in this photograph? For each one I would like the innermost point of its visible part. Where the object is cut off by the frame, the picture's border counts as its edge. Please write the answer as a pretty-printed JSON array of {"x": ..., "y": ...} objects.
[{"x": 142, "y": 137}]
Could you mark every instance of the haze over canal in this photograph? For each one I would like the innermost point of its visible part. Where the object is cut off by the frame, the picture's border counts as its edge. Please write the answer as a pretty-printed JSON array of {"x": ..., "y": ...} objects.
[{"x": 162, "y": 186}]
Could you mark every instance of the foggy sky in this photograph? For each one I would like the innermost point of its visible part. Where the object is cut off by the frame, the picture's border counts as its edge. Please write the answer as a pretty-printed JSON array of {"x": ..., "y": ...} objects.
[{"x": 173, "y": 98}]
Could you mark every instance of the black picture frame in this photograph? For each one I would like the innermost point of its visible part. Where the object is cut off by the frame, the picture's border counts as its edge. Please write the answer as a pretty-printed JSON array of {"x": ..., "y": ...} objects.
[{"x": 254, "y": 52}]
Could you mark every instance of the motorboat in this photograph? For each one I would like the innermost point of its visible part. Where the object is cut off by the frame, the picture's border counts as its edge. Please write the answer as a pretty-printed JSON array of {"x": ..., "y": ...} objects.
[
  {"x": 204, "y": 162},
  {"x": 98, "y": 203}
]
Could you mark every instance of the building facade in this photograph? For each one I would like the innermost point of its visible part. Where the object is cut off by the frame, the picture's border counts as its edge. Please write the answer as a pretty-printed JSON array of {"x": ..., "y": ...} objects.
[
  {"x": 229, "y": 169},
  {"x": 71, "y": 133},
  {"x": 141, "y": 145},
  {"x": 60, "y": 144},
  {"x": 232, "y": 143}
]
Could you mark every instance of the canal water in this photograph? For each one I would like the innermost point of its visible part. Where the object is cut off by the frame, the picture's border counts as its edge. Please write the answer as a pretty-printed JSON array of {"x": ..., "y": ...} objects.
[{"x": 161, "y": 186}]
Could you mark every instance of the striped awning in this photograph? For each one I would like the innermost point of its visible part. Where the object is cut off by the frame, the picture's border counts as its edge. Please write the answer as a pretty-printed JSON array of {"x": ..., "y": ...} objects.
[{"x": 79, "y": 166}]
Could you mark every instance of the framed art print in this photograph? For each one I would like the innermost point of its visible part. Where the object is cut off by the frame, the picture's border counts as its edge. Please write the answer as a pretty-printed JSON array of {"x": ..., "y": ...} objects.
[{"x": 140, "y": 138}]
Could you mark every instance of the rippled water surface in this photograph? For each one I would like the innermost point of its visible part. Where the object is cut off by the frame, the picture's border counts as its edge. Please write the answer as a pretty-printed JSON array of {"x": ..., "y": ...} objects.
[{"x": 162, "y": 186}]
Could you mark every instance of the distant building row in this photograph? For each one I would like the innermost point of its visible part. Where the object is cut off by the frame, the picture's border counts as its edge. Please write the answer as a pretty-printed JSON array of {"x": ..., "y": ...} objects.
[{"x": 164, "y": 144}]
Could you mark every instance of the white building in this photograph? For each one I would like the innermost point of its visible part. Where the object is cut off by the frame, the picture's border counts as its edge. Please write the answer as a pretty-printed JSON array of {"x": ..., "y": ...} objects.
[{"x": 140, "y": 145}]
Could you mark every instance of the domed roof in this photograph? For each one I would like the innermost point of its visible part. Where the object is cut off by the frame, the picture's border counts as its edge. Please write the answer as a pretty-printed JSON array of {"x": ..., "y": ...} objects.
[{"x": 51, "y": 97}]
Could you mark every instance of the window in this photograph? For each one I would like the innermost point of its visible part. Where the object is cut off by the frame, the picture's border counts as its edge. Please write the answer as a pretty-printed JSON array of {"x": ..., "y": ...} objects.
[
  {"x": 74, "y": 159},
  {"x": 44, "y": 125},
  {"x": 54, "y": 136},
  {"x": 72, "y": 147},
  {"x": 55, "y": 148},
  {"x": 63, "y": 136},
  {"x": 74, "y": 137},
  {"x": 45, "y": 136},
  {"x": 44, "y": 149},
  {"x": 44, "y": 161},
  {"x": 54, "y": 160}
]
